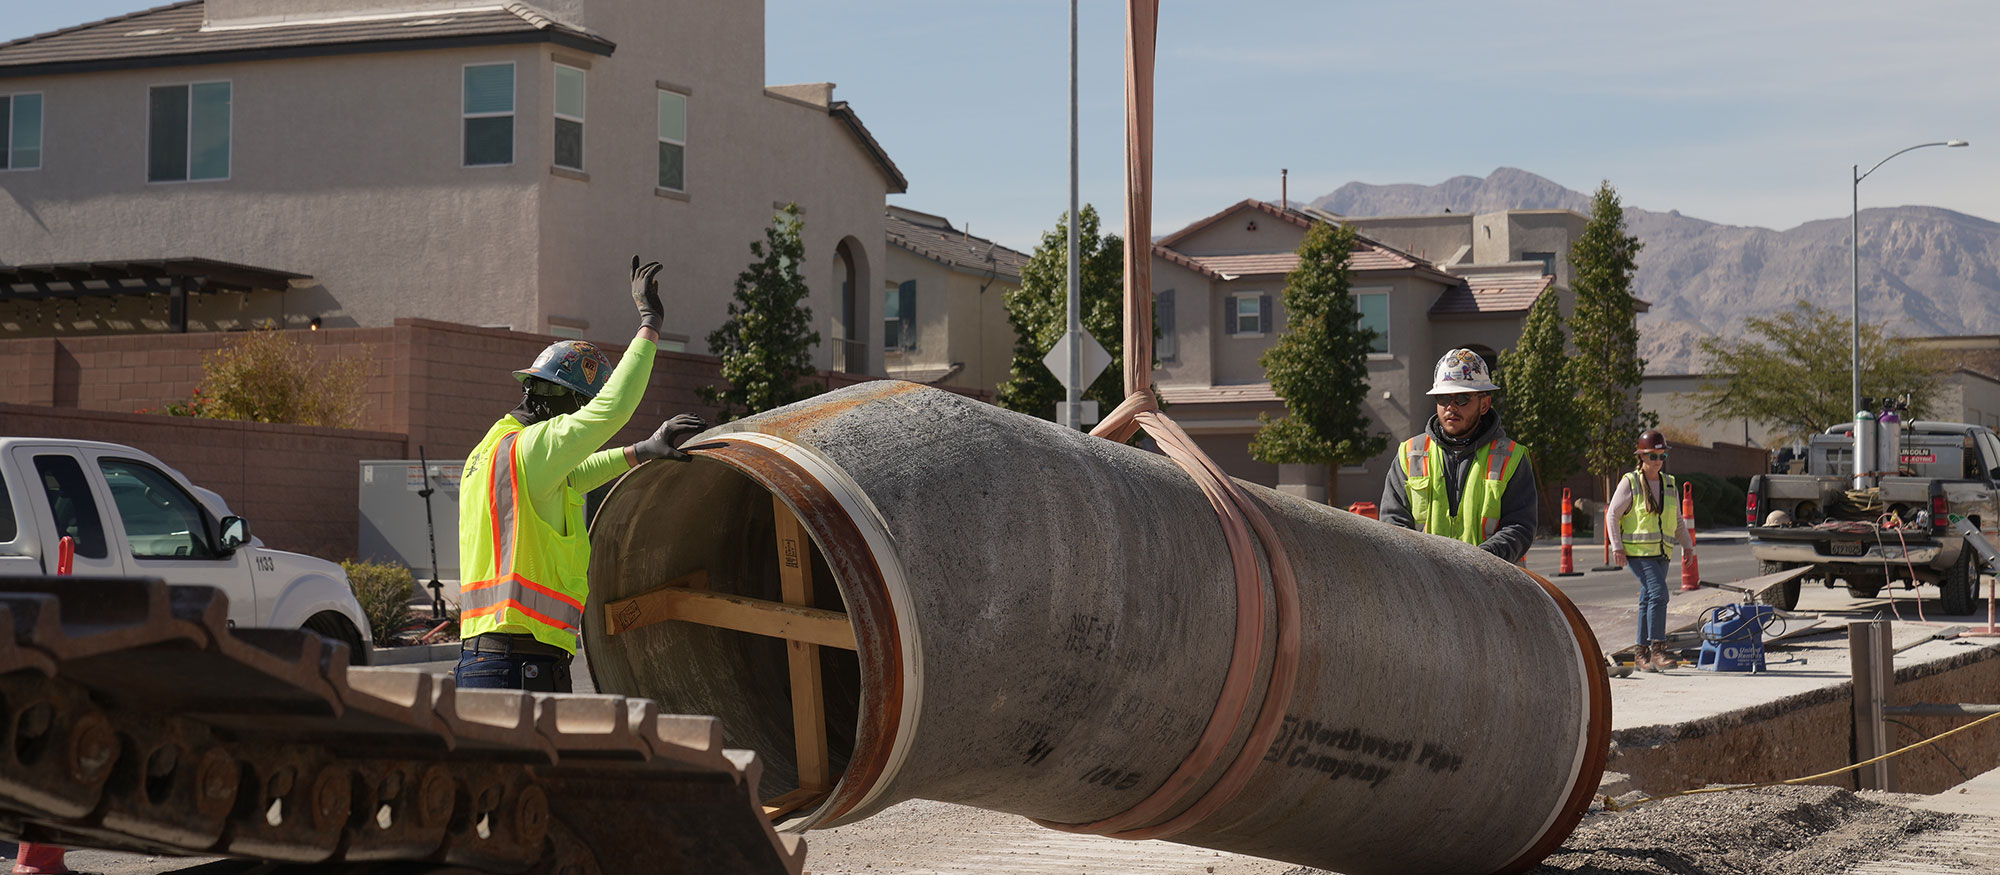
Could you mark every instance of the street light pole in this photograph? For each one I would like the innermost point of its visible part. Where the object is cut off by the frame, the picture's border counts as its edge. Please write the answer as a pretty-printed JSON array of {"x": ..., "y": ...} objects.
[
  {"x": 1854, "y": 236},
  {"x": 1073, "y": 389}
]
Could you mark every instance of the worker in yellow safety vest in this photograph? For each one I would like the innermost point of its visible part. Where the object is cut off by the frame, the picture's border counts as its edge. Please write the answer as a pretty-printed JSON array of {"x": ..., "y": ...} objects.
[
  {"x": 1462, "y": 477},
  {"x": 523, "y": 553},
  {"x": 1645, "y": 511}
]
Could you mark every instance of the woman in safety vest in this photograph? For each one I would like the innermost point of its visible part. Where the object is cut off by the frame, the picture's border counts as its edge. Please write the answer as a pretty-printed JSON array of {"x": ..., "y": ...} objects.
[{"x": 1645, "y": 511}]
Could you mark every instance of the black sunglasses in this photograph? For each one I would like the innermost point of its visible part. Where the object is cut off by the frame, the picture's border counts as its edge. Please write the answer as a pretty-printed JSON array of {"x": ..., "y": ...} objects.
[{"x": 1457, "y": 399}]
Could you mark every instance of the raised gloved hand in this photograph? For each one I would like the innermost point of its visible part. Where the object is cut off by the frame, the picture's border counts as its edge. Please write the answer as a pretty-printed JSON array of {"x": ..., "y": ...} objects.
[
  {"x": 646, "y": 292},
  {"x": 661, "y": 444}
]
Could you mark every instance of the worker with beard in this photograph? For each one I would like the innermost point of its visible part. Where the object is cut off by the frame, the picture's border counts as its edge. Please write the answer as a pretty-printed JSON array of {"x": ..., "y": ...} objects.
[
  {"x": 1462, "y": 478},
  {"x": 523, "y": 546}
]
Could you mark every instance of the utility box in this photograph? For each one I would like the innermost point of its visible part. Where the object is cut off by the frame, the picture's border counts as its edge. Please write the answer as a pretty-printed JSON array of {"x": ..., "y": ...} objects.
[{"x": 393, "y": 527}]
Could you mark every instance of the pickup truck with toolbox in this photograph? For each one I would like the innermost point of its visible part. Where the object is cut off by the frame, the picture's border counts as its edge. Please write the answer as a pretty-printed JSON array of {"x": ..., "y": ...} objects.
[
  {"x": 129, "y": 515},
  {"x": 1896, "y": 528}
]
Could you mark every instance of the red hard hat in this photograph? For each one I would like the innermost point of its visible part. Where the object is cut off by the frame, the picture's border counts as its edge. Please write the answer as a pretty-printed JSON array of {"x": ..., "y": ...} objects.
[{"x": 1651, "y": 439}]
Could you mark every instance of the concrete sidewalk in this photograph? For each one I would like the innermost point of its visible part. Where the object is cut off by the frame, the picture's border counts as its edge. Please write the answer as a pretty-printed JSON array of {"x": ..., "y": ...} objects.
[{"x": 1816, "y": 659}]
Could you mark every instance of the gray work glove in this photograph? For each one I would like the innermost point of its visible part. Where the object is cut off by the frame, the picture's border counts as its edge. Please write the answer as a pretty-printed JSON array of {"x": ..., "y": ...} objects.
[
  {"x": 646, "y": 292},
  {"x": 671, "y": 432}
]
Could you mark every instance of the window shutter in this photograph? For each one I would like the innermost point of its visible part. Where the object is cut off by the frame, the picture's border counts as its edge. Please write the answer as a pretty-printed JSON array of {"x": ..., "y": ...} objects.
[
  {"x": 1264, "y": 314},
  {"x": 1229, "y": 314},
  {"x": 906, "y": 311}
]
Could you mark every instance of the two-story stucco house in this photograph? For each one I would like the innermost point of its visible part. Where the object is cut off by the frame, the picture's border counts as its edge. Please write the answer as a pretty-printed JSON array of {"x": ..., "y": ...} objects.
[
  {"x": 943, "y": 309},
  {"x": 219, "y": 164},
  {"x": 1426, "y": 284}
]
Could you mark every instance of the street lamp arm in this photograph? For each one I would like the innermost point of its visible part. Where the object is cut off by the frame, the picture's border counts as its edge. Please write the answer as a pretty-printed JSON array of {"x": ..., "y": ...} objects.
[{"x": 1878, "y": 164}]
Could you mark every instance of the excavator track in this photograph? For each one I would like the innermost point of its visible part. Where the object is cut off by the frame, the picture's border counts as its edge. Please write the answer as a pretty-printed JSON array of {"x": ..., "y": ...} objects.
[{"x": 133, "y": 718}]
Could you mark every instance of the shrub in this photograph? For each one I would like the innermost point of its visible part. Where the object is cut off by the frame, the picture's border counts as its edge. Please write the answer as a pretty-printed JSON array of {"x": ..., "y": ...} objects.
[
  {"x": 1718, "y": 501},
  {"x": 384, "y": 590},
  {"x": 266, "y": 376}
]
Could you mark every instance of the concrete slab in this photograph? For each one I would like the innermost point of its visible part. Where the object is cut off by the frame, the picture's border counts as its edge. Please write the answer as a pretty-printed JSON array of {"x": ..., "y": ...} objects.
[
  {"x": 1980, "y": 796},
  {"x": 1814, "y": 661}
]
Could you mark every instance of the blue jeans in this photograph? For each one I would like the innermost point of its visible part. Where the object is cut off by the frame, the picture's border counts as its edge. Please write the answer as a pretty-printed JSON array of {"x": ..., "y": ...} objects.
[
  {"x": 512, "y": 671},
  {"x": 1652, "y": 574}
]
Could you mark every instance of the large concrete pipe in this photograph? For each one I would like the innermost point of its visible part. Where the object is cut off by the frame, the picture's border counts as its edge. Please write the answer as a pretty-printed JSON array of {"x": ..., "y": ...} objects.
[{"x": 1042, "y": 622}]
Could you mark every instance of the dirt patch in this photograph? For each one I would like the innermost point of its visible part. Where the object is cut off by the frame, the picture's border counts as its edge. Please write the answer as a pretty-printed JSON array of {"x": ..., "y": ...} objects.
[{"x": 1772, "y": 831}]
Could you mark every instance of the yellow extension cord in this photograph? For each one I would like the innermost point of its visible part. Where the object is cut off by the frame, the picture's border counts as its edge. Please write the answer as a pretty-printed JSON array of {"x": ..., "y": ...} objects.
[{"x": 1611, "y": 804}]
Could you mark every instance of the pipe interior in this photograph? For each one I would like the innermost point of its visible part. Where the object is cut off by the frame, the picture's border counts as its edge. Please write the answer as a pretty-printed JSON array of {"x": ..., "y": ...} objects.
[{"x": 666, "y": 521}]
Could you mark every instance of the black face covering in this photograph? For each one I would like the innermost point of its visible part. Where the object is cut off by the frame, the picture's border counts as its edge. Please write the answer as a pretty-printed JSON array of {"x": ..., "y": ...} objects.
[{"x": 542, "y": 400}]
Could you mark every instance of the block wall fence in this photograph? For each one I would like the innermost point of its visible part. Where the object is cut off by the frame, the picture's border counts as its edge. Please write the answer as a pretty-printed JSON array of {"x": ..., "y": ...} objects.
[{"x": 433, "y": 385}]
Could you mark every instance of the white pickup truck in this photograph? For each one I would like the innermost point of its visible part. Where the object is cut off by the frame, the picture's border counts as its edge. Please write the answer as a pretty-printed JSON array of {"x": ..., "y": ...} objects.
[{"x": 132, "y": 516}]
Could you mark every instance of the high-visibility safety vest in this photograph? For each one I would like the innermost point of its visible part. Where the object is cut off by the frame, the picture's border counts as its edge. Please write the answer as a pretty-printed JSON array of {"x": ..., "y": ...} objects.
[
  {"x": 519, "y": 573},
  {"x": 1650, "y": 534},
  {"x": 1478, "y": 516}
]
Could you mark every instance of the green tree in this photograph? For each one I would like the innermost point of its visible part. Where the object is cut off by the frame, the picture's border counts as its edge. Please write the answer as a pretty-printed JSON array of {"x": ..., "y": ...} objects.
[
  {"x": 1606, "y": 369},
  {"x": 1540, "y": 398},
  {"x": 1319, "y": 364},
  {"x": 766, "y": 344},
  {"x": 1039, "y": 313},
  {"x": 1794, "y": 370}
]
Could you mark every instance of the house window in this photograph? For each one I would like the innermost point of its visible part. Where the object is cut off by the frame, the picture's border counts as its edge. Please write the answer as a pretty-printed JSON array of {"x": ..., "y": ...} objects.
[
  {"x": 187, "y": 133},
  {"x": 673, "y": 141},
  {"x": 1374, "y": 307},
  {"x": 569, "y": 117},
  {"x": 899, "y": 316},
  {"x": 489, "y": 114},
  {"x": 1548, "y": 260},
  {"x": 1166, "y": 346},
  {"x": 20, "y": 131},
  {"x": 1247, "y": 314}
]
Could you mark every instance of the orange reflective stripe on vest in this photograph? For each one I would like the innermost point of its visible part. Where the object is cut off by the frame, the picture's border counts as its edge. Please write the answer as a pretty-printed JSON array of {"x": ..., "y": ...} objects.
[
  {"x": 521, "y": 575},
  {"x": 1417, "y": 461},
  {"x": 484, "y": 597}
]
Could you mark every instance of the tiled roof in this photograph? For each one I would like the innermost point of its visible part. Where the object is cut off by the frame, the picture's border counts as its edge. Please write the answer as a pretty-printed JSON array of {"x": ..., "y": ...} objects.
[
  {"x": 1492, "y": 295},
  {"x": 1292, "y": 216},
  {"x": 898, "y": 184},
  {"x": 953, "y": 248},
  {"x": 1218, "y": 394},
  {"x": 175, "y": 34},
  {"x": 1367, "y": 256}
]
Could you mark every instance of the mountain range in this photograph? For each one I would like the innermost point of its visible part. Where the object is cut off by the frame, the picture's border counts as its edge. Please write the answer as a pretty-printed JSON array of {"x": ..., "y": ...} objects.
[{"x": 1924, "y": 270}]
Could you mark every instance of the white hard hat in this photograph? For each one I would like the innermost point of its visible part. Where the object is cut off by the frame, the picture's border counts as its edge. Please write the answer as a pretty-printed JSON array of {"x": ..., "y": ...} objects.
[
  {"x": 1462, "y": 370},
  {"x": 1778, "y": 518}
]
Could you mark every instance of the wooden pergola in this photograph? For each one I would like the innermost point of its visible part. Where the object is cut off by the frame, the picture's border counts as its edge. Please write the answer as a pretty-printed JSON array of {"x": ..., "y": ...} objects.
[{"x": 176, "y": 278}]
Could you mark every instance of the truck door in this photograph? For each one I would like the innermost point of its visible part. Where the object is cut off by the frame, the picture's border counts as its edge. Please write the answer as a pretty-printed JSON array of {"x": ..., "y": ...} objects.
[
  {"x": 62, "y": 502},
  {"x": 168, "y": 535}
]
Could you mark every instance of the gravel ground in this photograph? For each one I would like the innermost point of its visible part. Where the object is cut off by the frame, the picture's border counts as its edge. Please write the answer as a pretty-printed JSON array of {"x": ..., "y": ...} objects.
[{"x": 1771, "y": 831}]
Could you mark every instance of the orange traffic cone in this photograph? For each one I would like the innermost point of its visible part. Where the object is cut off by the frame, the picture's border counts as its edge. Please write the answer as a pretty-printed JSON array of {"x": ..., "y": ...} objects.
[
  {"x": 1690, "y": 566},
  {"x": 34, "y": 859},
  {"x": 1568, "y": 568}
]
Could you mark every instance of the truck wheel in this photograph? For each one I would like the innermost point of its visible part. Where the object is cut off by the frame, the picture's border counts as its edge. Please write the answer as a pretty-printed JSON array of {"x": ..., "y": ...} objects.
[
  {"x": 1958, "y": 585},
  {"x": 333, "y": 626},
  {"x": 1784, "y": 596}
]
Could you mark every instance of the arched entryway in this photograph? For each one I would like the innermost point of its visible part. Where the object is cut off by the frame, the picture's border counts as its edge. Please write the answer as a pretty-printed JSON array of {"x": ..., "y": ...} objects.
[{"x": 848, "y": 342}]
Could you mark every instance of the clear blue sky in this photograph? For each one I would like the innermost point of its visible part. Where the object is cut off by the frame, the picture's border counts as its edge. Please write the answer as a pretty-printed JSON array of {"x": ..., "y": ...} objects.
[{"x": 1742, "y": 113}]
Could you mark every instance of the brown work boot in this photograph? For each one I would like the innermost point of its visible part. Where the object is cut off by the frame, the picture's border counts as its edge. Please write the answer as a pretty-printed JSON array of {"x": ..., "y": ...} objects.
[
  {"x": 1643, "y": 658},
  {"x": 1663, "y": 657}
]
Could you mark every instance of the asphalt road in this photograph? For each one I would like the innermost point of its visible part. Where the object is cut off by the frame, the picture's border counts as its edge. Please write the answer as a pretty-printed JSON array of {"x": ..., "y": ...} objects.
[{"x": 1724, "y": 558}]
